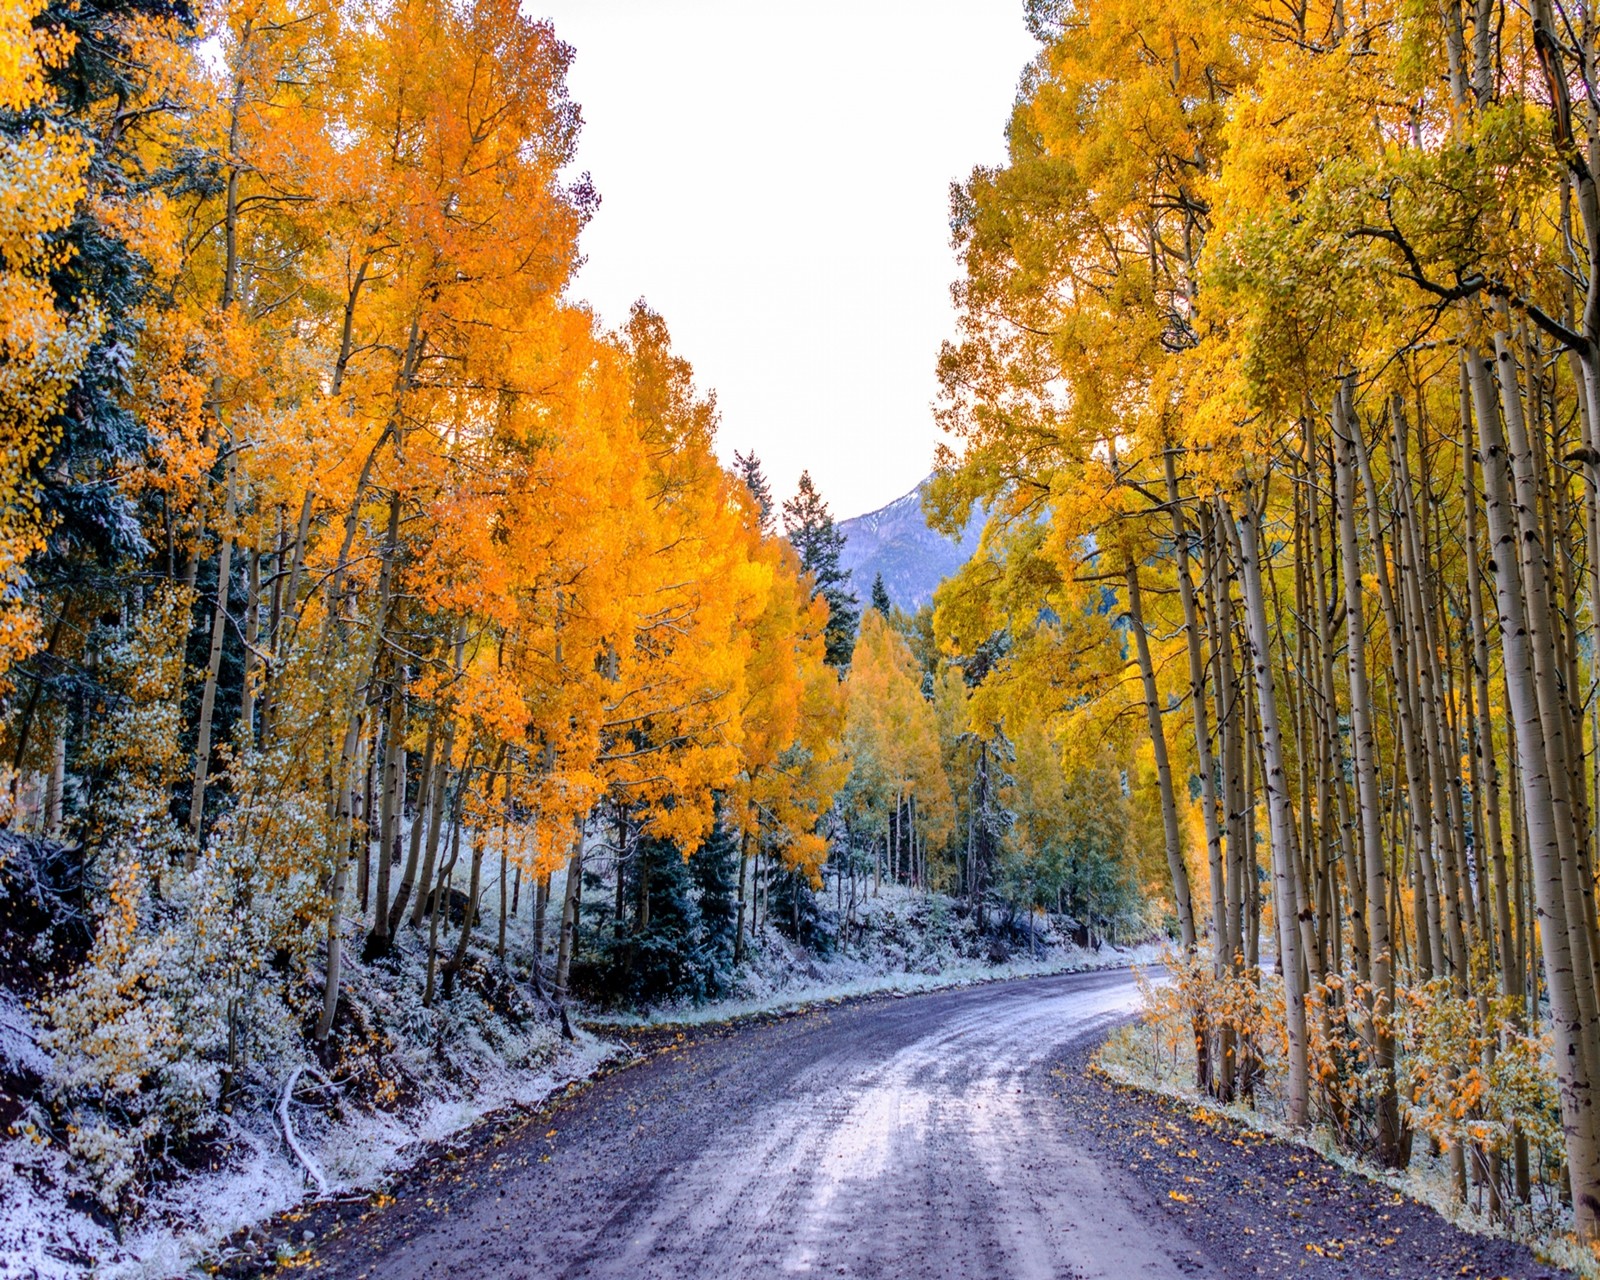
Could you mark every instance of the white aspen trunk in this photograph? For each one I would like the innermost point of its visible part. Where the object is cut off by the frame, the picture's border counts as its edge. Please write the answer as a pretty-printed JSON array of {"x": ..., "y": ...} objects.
[
  {"x": 208, "y": 695},
  {"x": 1219, "y": 604},
  {"x": 1553, "y": 712},
  {"x": 541, "y": 904},
  {"x": 505, "y": 858},
  {"x": 1488, "y": 763},
  {"x": 1332, "y": 771},
  {"x": 469, "y": 916},
  {"x": 1280, "y": 813},
  {"x": 1158, "y": 741},
  {"x": 738, "y": 927},
  {"x": 1573, "y": 1056},
  {"x": 1445, "y": 818},
  {"x": 439, "y": 895},
  {"x": 1418, "y": 811},
  {"x": 55, "y": 786},
  {"x": 342, "y": 816},
  {"x": 568, "y": 940},
  {"x": 246, "y": 732},
  {"x": 230, "y": 273},
  {"x": 1312, "y": 953},
  {"x": 436, "y": 808},
  {"x": 1368, "y": 831},
  {"x": 1214, "y": 1062},
  {"x": 425, "y": 788},
  {"x": 330, "y": 989},
  {"x": 391, "y": 789}
]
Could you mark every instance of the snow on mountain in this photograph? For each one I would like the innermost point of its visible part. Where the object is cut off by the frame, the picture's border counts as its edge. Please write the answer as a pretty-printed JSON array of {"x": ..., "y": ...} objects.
[{"x": 895, "y": 541}]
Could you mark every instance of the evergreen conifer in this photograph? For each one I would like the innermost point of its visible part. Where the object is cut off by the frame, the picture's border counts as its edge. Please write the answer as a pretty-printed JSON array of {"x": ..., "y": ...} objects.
[
  {"x": 748, "y": 468},
  {"x": 714, "y": 868},
  {"x": 814, "y": 536},
  {"x": 880, "y": 596}
]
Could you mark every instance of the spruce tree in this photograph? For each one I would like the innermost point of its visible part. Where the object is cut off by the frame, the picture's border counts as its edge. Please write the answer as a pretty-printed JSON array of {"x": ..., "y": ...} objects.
[
  {"x": 748, "y": 468},
  {"x": 817, "y": 540},
  {"x": 713, "y": 868},
  {"x": 880, "y": 596},
  {"x": 660, "y": 955},
  {"x": 793, "y": 906},
  {"x": 93, "y": 520}
]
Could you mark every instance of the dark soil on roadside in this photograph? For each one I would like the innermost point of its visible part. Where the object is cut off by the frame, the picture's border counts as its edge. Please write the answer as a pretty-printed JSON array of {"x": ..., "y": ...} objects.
[{"x": 1264, "y": 1207}]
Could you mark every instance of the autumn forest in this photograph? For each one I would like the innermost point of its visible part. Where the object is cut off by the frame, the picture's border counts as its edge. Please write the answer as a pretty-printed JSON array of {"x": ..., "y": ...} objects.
[{"x": 398, "y": 664}]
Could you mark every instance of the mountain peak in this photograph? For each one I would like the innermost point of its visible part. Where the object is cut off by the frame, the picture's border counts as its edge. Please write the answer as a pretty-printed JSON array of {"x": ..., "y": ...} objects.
[{"x": 895, "y": 541}]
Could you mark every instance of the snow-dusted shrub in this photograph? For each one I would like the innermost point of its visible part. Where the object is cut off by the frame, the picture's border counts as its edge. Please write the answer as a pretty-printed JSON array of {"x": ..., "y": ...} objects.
[
  {"x": 1238, "y": 1013},
  {"x": 179, "y": 995},
  {"x": 1474, "y": 1079}
]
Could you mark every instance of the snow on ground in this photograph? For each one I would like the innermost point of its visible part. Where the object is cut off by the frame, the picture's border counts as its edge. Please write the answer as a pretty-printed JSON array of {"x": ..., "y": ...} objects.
[
  {"x": 464, "y": 1062},
  {"x": 49, "y": 1229},
  {"x": 356, "y": 1156},
  {"x": 1075, "y": 961},
  {"x": 845, "y": 979},
  {"x": 19, "y": 1038}
]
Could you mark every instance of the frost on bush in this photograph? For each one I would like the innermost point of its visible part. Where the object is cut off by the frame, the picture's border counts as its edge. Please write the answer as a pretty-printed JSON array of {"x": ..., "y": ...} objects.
[
  {"x": 1474, "y": 1078},
  {"x": 1239, "y": 1011},
  {"x": 178, "y": 998}
]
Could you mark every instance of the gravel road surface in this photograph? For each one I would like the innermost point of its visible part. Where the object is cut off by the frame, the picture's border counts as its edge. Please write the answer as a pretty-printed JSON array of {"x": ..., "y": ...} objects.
[{"x": 922, "y": 1138}]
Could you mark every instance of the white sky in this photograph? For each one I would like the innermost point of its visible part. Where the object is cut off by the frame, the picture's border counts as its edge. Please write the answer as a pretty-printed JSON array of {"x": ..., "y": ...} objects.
[{"x": 774, "y": 180}]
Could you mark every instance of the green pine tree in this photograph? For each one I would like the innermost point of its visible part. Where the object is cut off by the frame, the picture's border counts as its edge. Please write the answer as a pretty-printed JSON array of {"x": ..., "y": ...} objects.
[
  {"x": 661, "y": 954},
  {"x": 798, "y": 913},
  {"x": 713, "y": 869},
  {"x": 748, "y": 468},
  {"x": 880, "y": 596},
  {"x": 94, "y": 521},
  {"x": 817, "y": 540}
]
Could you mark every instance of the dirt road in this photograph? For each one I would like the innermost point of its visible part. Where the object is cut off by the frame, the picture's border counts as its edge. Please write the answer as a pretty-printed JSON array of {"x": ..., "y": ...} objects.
[{"x": 925, "y": 1137}]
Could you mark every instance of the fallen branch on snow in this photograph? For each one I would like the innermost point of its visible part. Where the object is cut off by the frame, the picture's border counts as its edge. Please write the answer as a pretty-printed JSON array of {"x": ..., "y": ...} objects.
[{"x": 311, "y": 1166}]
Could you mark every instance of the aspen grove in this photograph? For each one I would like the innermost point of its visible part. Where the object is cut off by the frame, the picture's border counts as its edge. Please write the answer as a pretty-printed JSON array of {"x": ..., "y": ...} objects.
[
  {"x": 323, "y": 509},
  {"x": 1282, "y": 323},
  {"x": 367, "y": 601}
]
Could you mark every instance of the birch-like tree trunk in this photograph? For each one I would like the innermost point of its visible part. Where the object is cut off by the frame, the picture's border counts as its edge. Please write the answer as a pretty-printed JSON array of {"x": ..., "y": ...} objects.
[
  {"x": 423, "y": 819},
  {"x": 1547, "y": 865},
  {"x": 208, "y": 692},
  {"x": 1280, "y": 813},
  {"x": 1368, "y": 823},
  {"x": 567, "y": 943},
  {"x": 1176, "y": 868}
]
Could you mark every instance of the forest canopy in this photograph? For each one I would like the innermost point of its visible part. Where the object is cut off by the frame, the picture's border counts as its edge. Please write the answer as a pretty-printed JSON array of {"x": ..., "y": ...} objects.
[{"x": 361, "y": 585}]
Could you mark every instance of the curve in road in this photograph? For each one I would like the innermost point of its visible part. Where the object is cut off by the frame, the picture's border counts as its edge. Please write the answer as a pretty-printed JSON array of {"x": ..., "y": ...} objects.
[{"x": 916, "y": 1137}]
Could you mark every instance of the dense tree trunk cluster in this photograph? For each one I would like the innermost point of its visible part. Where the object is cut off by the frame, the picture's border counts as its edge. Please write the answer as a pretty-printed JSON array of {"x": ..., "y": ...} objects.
[{"x": 1283, "y": 325}]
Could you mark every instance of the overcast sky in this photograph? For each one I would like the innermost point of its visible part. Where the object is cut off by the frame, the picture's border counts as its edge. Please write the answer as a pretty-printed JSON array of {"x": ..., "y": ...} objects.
[{"x": 775, "y": 181}]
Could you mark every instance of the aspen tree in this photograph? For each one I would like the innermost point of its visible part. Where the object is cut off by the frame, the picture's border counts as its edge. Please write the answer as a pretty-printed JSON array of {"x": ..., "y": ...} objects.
[{"x": 1374, "y": 859}]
